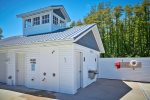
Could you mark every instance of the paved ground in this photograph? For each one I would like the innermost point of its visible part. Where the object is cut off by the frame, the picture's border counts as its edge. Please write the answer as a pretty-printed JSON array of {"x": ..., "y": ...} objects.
[
  {"x": 140, "y": 91},
  {"x": 102, "y": 89}
]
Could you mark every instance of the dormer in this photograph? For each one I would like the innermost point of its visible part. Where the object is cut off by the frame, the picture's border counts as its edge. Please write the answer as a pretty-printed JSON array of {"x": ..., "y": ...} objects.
[{"x": 44, "y": 20}]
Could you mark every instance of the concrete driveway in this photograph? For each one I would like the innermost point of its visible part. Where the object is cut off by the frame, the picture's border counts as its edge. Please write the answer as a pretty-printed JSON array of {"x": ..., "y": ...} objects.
[
  {"x": 140, "y": 91},
  {"x": 102, "y": 89}
]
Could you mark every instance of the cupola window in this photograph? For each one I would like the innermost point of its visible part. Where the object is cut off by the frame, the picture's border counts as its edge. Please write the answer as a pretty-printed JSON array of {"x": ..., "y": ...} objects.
[
  {"x": 45, "y": 19},
  {"x": 28, "y": 23},
  {"x": 55, "y": 20},
  {"x": 36, "y": 21}
]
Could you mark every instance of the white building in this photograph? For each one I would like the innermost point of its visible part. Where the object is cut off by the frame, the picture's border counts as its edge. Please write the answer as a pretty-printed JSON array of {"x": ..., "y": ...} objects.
[{"x": 49, "y": 56}]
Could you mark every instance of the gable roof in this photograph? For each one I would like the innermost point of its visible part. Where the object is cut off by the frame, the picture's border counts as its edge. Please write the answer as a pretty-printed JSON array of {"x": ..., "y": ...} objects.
[
  {"x": 88, "y": 40},
  {"x": 68, "y": 34},
  {"x": 45, "y": 9}
]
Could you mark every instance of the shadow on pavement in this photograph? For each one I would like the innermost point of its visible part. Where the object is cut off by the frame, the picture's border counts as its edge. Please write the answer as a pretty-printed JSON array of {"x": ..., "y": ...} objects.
[
  {"x": 25, "y": 90},
  {"x": 102, "y": 89}
]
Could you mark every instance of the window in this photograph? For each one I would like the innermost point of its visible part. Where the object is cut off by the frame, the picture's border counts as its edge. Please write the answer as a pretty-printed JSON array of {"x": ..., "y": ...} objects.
[
  {"x": 61, "y": 23},
  {"x": 36, "y": 21},
  {"x": 55, "y": 20},
  {"x": 45, "y": 19},
  {"x": 33, "y": 67},
  {"x": 33, "y": 63},
  {"x": 27, "y": 23}
]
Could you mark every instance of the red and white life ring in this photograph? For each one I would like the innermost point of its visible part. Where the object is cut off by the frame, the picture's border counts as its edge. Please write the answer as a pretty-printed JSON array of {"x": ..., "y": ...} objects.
[{"x": 133, "y": 63}]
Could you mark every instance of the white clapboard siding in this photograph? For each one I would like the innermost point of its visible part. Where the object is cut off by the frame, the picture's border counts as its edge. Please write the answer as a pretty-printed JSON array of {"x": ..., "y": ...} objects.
[
  {"x": 66, "y": 70},
  {"x": 11, "y": 70},
  {"x": 89, "y": 63},
  {"x": 108, "y": 70},
  {"x": 3, "y": 68},
  {"x": 33, "y": 74}
]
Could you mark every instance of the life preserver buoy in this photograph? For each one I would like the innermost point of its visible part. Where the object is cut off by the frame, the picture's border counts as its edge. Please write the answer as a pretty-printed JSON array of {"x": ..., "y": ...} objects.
[{"x": 133, "y": 63}]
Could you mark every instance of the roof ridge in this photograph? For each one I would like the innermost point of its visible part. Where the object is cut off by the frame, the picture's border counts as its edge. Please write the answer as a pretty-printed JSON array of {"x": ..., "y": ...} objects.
[
  {"x": 86, "y": 24},
  {"x": 40, "y": 9}
]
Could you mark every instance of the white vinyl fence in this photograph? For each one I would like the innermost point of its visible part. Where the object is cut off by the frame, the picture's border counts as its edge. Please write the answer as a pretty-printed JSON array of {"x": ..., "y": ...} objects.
[{"x": 109, "y": 71}]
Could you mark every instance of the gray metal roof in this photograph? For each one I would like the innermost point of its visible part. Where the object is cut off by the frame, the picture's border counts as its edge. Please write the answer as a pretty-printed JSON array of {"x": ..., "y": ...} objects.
[{"x": 67, "y": 34}]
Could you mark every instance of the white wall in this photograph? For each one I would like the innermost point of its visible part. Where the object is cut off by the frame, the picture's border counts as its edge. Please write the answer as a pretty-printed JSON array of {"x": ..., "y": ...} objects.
[
  {"x": 32, "y": 74},
  {"x": 88, "y": 64},
  {"x": 108, "y": 70},
  {"x": 11, "y": 69},
  {"x": 3, "y": 67},
  {"x": 61, "y": 63},
  {"x": 66, "y": 70}
]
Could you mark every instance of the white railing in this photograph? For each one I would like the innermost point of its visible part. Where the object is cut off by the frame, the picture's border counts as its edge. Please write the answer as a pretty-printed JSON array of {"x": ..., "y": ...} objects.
[{"x": 109, "y": 71}]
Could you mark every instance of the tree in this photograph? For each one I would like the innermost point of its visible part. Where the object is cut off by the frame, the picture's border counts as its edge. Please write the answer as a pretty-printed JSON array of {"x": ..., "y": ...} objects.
[
  {"x": 72, "y": 24},
  {"x": 128, "y": 32},
  {"x": 117, "y": 12},
  {"x": 93, "y": 10},
  {"x": 79, "y": 23},
  {"x": 125, "y": 32},
  {"x": 1, "y": 31}
]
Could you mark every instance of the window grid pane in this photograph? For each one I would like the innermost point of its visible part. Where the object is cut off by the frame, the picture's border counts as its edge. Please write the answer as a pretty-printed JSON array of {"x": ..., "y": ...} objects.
[
  {"x": 55, "y": 20},
  {"x": 45, "y": 19},
  {"x": 27, "y": 23},
  {"x": 36, "y": 21}
]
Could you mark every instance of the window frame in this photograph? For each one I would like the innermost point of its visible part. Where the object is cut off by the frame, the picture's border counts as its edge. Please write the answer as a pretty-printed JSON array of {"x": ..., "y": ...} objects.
[
  {"x": 33, "y": 64},
  {"x": 36, "y": 21},
  {"x": 62, "y": 23},
  {"x": 45, "y": 19},
  {"x": 27, "y": 21},
  {"x": 55, "y": 20}
]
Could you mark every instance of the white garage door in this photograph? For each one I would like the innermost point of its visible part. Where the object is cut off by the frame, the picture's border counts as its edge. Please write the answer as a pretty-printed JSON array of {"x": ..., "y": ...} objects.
[{"x": 3, "y": 67}]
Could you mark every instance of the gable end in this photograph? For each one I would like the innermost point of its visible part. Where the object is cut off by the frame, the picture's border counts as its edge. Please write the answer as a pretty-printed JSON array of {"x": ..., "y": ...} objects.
[
  {"x": 88, "y": 41},
  {"x": 59, "y": 13}
]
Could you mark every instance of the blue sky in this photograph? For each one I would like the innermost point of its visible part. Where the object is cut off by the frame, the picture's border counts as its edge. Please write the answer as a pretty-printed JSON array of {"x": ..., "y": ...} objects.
[{"x": 76, "y": 9}]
